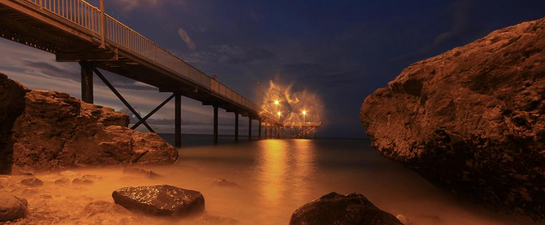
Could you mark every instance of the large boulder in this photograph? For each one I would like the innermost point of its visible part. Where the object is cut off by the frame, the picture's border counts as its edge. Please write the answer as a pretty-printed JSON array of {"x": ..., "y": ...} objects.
[
  {"x": 160, "y": 200},
  {"x": 334, "y": 208},
  {"x": 471, "y": 120},
  {"x": 57, "y": 131},
  {"x": 12, "y": 100},
  {"x": 12, "y": 207}
]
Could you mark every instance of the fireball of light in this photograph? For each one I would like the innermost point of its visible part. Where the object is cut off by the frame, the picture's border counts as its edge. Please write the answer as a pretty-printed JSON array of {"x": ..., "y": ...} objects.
[{"x": 291, "y": 107}]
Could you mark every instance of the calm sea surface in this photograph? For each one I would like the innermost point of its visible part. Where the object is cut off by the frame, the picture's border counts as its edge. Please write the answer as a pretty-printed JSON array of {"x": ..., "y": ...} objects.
[{"x": 278, "y": 176}]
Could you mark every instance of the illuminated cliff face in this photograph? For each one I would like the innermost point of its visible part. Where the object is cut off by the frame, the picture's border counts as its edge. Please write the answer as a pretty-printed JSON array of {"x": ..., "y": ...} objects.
[{"x": 293, "y": 108}]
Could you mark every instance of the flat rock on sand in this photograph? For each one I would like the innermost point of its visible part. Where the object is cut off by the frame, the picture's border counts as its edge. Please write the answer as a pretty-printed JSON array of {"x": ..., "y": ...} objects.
[
  {"x": 12, "y": 207},
  {"x": 160, "y": 200},
  {"x": 334, "y": 208}
]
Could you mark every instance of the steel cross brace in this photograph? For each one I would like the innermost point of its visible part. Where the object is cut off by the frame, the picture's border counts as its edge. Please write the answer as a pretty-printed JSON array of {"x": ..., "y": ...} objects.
[
  {"x": 153, "y": 111},
  {"x": 112, "y": 88}
]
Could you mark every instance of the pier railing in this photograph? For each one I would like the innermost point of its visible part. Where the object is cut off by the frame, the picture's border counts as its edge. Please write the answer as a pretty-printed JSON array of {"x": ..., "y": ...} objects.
[{"x": 84, "y": 15}]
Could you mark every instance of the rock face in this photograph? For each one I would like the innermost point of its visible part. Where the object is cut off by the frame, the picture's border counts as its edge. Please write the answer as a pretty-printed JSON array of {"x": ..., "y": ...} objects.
[
  {"x": 334, "y": 208},
  {"x": 471, "y": 120},
  {"x": 12, "y": 98},
  {"x": 57, "y": 131},
  {"x": 160, "y": 200},
  {"x": 12, "y": 207}
]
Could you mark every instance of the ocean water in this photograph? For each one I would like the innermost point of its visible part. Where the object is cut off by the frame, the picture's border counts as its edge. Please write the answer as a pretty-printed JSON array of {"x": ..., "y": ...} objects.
[
  {"x": 278, "y": 176},
  {"x": 274, "y": 177}
]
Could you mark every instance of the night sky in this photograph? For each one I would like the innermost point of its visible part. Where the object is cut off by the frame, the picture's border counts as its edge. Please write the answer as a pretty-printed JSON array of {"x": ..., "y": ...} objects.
[{"x": 341, "y": 50}]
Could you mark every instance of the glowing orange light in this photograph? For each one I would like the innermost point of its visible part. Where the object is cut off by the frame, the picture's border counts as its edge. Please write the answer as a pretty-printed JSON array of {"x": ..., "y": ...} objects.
[
  {"x": 276, "y": 102},
  {"x": 304, "y": 112},
  {"x": 279, "y": 114}
]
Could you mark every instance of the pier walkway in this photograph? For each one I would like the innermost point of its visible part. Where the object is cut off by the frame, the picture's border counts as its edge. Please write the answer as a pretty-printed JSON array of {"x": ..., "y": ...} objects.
[{"x": 76, "y": 31}]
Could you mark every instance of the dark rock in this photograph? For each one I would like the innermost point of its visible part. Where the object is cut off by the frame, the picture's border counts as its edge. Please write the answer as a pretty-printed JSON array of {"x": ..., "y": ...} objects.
[
  {"x": 160, "y": 200},
  {"x": 225, "y": 183},
  {"x": 140, "y": 172},
  {"x": 215, "y": 220},
  {"x": 25, "y": 174},
  {"x": 334, "y": 208},
  {"x": 32, "y": 182},
  {"x": 471, "y": 120},
  {"x": 82, "y": 181},
  {"x": 12, "y": 207},
  {"x": 12, "y": 104},
  {"x": 62, "y": 181},
  {"x": 44, "y": 130}
]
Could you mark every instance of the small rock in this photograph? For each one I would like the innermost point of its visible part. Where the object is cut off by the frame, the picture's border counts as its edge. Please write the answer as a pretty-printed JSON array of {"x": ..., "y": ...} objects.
[
  {"x": 334, "y": 208},
  {"x": 103, "y": 207},
  {"x": 32, "y": 182},
  {"x": 215, "y": 220},
  {"x": 25, "y": 174},
  {"x": 70, "y": 173},
  {"x": 46, "y": 196},
  {"x": 81, "y": 181},
  {"x": 160, "y": 200},
  {"x": 141, "y": 172},
  {"x": 12, "y": 207},
  {"x": 62, "y": 181},
  {"x": 30, "y": 192},
  {"x": 91, "y": 177},
  {"x": 402, "y": 219},
  {"x": 225, "y": 183}
]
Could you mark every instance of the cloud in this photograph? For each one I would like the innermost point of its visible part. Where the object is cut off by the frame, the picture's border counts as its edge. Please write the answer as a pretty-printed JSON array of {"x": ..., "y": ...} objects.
[
  {"x": 183, "y": 34},
  {"x": 129, "y": 5},
  {"x": 318, "y": 73},
  {"x": 227, "y": 54},
  {"x": 238, "y": 56},
  {"x": 461, "y": 25},
  {"x": 38, "y": 70}
]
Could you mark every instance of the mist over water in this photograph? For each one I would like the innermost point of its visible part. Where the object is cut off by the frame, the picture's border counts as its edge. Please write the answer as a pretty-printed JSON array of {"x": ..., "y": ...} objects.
[
  {"x": 275, "y": 177},
  {"x": 279, "y": 176}
]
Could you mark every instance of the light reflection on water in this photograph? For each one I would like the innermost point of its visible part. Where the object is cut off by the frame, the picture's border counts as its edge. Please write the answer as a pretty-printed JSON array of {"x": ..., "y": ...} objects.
[
  {"x": 285, "y": 170},
  {"x": 278, "y": 176}
]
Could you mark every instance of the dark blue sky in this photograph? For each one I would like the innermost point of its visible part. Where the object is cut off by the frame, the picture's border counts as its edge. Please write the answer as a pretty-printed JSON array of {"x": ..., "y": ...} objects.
[{"x": 342, "y": 50}]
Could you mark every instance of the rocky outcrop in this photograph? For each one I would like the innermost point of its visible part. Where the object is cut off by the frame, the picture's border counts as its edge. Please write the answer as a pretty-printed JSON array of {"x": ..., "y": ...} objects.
[
  {"x": 472, "y": 120},
  {"x": 12, "y": 207},
  {"x": 334, "y": 208},
  {"x": 12, "y": 99},
  {"x": 57, "y": 131},
  {"x": 160, "y": 200}
]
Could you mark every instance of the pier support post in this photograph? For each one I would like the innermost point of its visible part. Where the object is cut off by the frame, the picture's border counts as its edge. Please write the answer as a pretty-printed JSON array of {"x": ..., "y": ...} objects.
[
  {"x": 236, "y": 126},
  {"x": 259, "y": 130},
  {"x": 86, "y": 82},
  {"x": 177, "y": 120},
  {"x": 249, "y": 128},
  {"x": 216, "y": 124}
]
